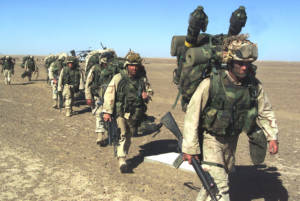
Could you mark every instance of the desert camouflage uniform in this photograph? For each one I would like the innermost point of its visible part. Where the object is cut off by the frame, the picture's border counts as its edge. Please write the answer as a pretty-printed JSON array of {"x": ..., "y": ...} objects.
[
  {"x": 30, "y": 67},
  {"x": 127, "y": 127},
  {"x": 96, "y": 83},
  {"x": 126, "y": 121},
  {"x": 70, "y": 81},
  {"x": 7, "y": 68},
  {"x": 220, "y": 149},
  {"x": 48, "y": 61},
  {"x": 53, "y": 74}
]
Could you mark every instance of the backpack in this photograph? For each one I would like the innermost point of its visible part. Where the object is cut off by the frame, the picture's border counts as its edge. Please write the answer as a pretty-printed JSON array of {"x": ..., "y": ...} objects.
[
  {"x": 194, "y": 64},
  {"x": 93, "y": 58},
  {"x": 24, "y": 59}
]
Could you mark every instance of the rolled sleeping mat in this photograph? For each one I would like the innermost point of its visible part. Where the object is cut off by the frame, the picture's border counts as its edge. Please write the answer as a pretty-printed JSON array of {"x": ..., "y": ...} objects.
[
  {"x": 198, "y": 55},
  {"x": 177, "y": 41}
]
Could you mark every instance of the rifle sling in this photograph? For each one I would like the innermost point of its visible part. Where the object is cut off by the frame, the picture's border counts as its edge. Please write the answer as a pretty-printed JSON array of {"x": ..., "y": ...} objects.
[{"x": 212, "y": 164}]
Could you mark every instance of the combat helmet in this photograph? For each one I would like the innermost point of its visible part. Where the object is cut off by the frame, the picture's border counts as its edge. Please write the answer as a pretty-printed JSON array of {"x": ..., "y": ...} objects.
[
  {"x": 133, "y": 58},
  {"x": 103, "y": 60},
  {"x": 71, "y": 59},
  {"x": 62, "y": 56},
  {"x": 238, "y": 48}
]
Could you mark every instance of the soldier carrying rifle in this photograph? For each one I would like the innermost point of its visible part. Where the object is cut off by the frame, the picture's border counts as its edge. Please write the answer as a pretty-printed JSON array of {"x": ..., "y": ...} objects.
[
  {"x": 125, "y": 99},
  {"x": 228, "y": 103}
]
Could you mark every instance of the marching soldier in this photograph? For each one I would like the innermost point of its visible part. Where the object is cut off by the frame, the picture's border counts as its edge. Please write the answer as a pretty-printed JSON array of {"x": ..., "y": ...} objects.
[
  {"x": 7, "y": 69},
  {"x": 97, "y": 81},
  {"x": 70, "y": 82},
  {"x": 54, "y": 72},
  {"x": 228, "y": 103},
  {"x": 125, "y": 100},
  {"x": 30, "y": 67}
]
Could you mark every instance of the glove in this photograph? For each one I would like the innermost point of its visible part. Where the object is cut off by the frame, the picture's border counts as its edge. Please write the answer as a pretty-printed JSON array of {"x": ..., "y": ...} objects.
[
  {"x": 198, "y": 21},
  {"x": 106, "y": 117},
  {"x": 188, "y": 157},
  {"x": 89, "y": 102}
]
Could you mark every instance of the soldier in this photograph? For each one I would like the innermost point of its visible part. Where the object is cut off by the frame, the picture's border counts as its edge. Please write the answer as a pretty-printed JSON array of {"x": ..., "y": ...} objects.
[
  {"x": 54, "y": 71},
  {"x": 125, "y": 99},
  {"x": 229, "y": 103},
  {"x": 30, "y": 67},
  {"x": 7, "y": 68},
  {"x": 93, "y": 58},
  {"x": 97, "y": 81},
  {"x": 48, "y": 60},
  {"x": 70, "y": 82}
]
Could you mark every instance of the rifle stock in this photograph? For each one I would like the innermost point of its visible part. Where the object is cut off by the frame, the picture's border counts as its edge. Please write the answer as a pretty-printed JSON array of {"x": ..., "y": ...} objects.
[
  {"x": 169, "y": 122},
  {"x": 113, "y": 133},
  {"x": 60, "y": 100}
]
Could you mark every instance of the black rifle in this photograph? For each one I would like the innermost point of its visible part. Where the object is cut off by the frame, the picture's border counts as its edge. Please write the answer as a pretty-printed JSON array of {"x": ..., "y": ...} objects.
[
  {"x": 169, "y": 122},
  {"x": 99, "y": 103},
  {"x": 113, "y": 133},
  {"x": 60, "y": 100}
]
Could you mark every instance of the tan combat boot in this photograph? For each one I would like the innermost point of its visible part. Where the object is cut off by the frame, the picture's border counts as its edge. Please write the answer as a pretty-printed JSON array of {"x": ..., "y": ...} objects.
[
  {"x": 54, "y": 104},
  {"x": 68, "y": 112},
  {"x": 122, "y": 165},
  {"x": 101, "y": 139}
]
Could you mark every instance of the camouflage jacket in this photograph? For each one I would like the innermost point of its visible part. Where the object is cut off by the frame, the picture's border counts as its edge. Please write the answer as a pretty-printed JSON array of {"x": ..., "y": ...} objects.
[
  {"x": 110, "y": 95},
  {"x": 192, "y": 121}
]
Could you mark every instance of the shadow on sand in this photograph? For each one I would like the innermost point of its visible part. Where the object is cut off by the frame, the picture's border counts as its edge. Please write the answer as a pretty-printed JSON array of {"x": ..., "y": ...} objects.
[
  {"x": 23, "y": 83},
  {"x": 247, "y": 182},
  {"x": 257, "y": 182}
]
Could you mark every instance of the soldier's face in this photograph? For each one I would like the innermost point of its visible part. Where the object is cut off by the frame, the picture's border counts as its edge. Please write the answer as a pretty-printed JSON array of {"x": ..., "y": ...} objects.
[
  {"x": 70, "y": 65},
  {"x": 240, "y": 69},
  {"x": 132, "y": 70}
]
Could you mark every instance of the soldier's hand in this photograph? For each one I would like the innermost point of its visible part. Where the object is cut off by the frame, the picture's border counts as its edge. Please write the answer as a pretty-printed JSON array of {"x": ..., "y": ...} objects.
[
  {"x": 106, "y": 117},
  {"x": 54, "y": 81},
  {"x": 144, "y": 95},
  {"x": 89, "y": 102},
  {"x": 188, "y": 157},
  {"x": 273, "y": 147}
]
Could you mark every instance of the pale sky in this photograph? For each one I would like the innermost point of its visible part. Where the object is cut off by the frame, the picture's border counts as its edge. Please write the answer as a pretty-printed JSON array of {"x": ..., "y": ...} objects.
[{"x": 44, "y": 27}]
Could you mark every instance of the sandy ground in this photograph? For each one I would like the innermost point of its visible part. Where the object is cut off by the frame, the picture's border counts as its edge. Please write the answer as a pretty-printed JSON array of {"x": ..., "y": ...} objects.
[{"x": 47, "y": 156}]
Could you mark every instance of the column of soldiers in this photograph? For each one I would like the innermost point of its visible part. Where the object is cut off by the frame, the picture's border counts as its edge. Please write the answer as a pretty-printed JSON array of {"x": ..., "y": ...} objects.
[
  {"x": 114, "y": 88},
  {"x": 28, "y": 63},
  {"x": 229, "y": 101}
]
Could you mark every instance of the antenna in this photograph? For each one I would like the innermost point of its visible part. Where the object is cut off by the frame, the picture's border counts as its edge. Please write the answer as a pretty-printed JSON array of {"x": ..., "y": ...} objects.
[{"x": 103, "y": 47}]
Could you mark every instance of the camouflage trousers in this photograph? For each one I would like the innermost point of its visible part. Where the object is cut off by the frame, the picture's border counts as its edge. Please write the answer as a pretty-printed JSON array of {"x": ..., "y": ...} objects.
[
  {"x": 127, "y": 129},
  {"x": 7, "y": 76},
  {"x": 68, "y": 96},
  {"x": 54, "y": 90},
  {"x": 99, "y": 120},
  {"x": 221, "y": 151}
]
